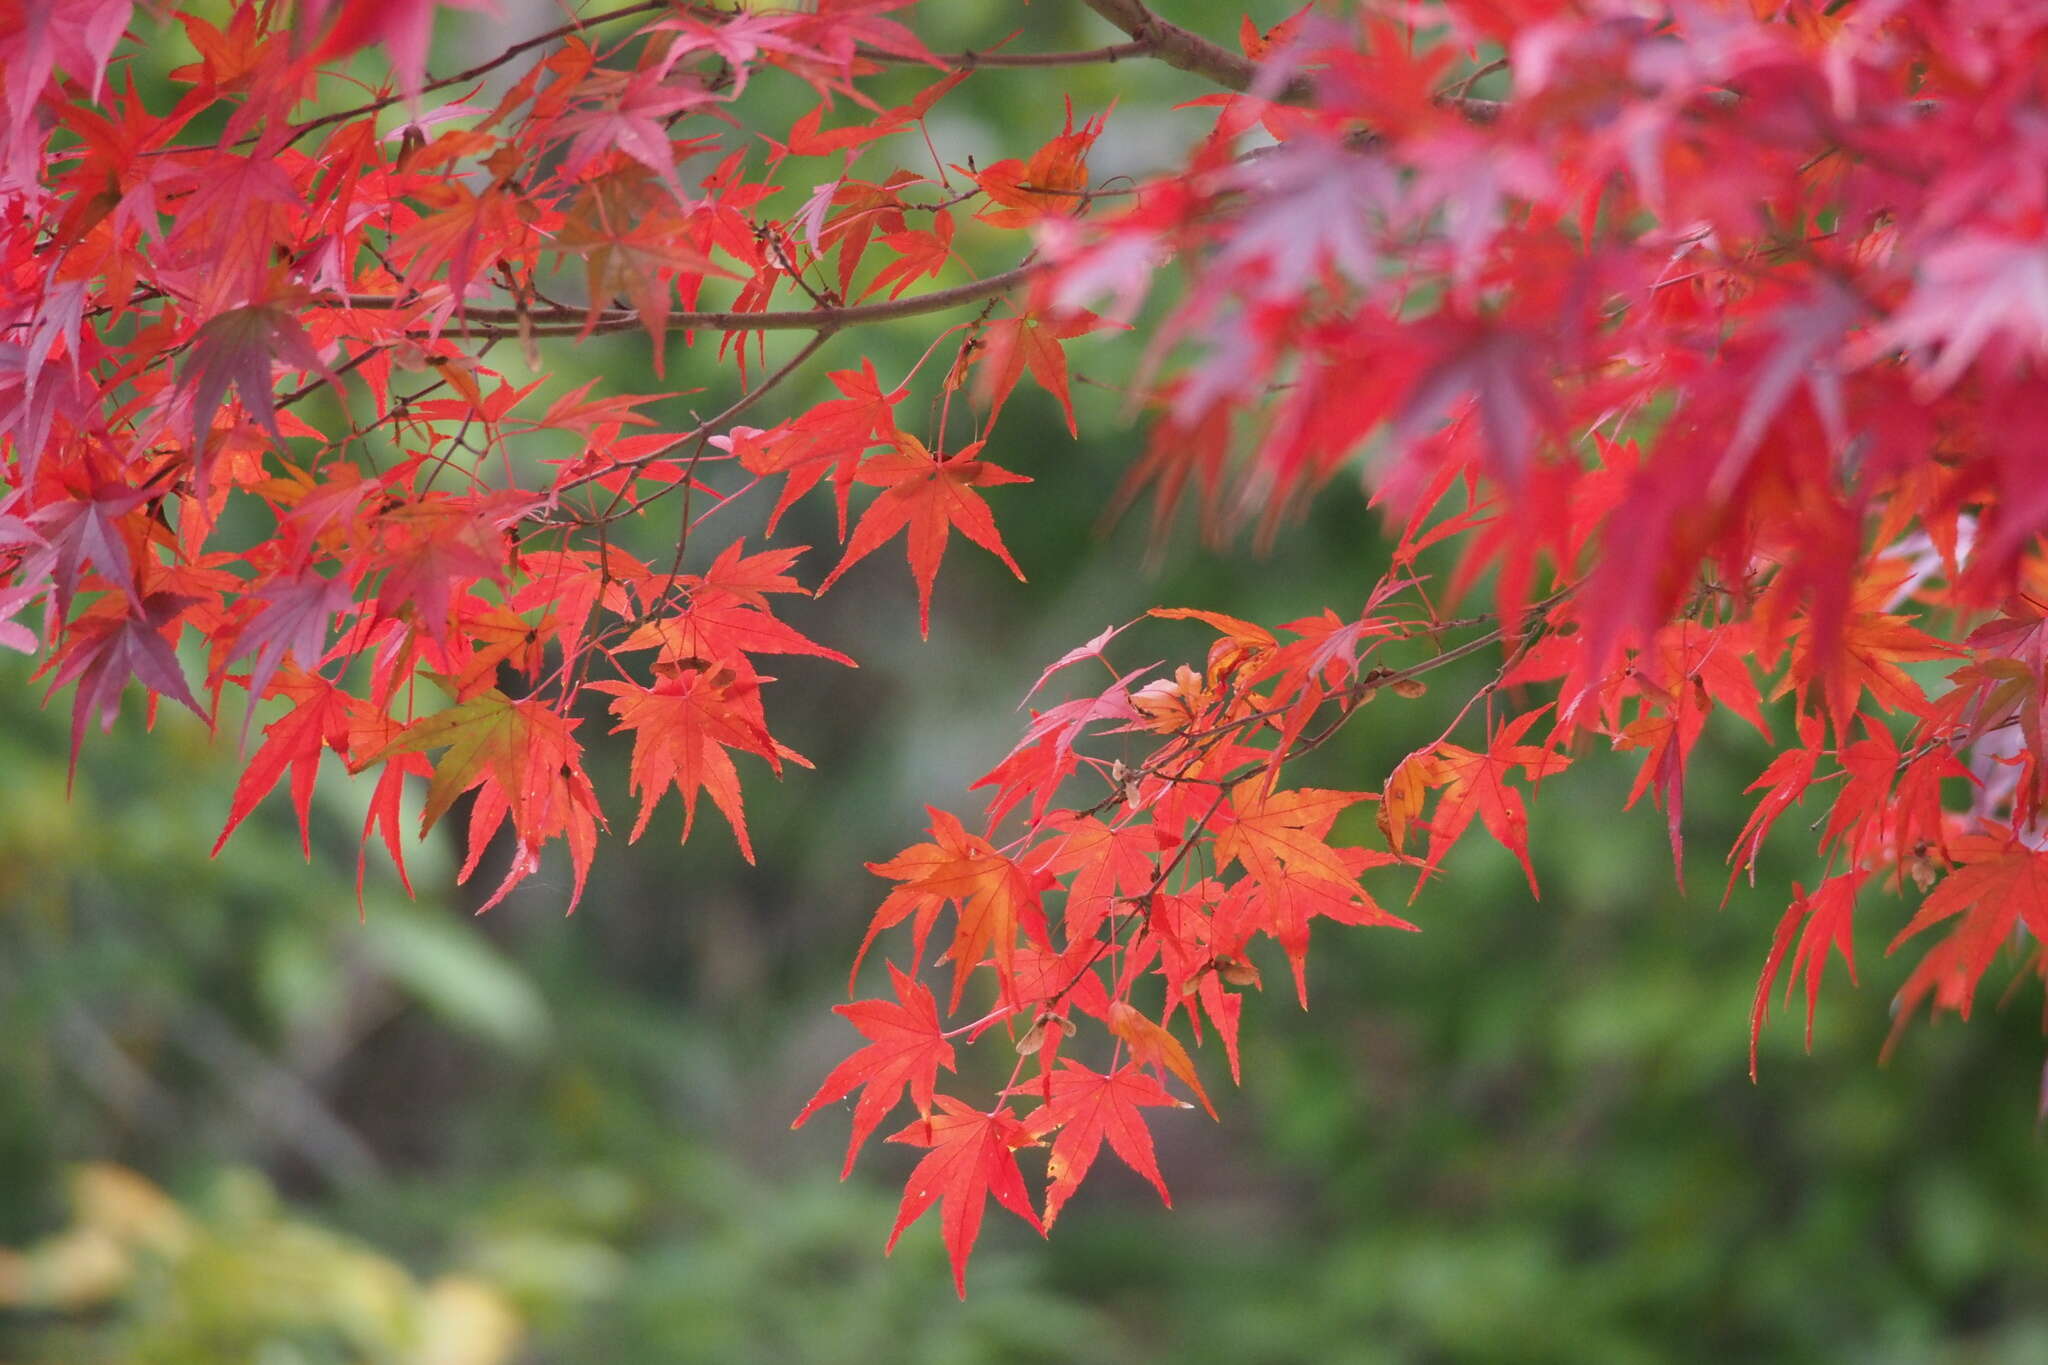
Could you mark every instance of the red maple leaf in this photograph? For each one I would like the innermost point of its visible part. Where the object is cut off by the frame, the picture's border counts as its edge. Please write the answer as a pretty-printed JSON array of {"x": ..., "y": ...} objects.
[
  {"x": 1108, "y": 865},
  {"x": 1863, "y": 652},
  {"x": 633, "y": 249},
  {"x": 1282, "y": 902},
  {"x": 111, "y": 644},
  {"x": 1281, "y": 833},
  {"x": 863, "y": 208},
  {"x": 726, "y": 619},
  {"x": 523, "y": 759},
  {"x": 291, "y": 622},
  {"x": 919, "y": 254},
  {"x": 1998, "y": 884},
  {"x": 972, "y": 1158},
  {"x": 682, "y": 728},
  {"x": 1828, "y": 917},
  {"x": 906, "y": 1049},
  {"x": 238, "y": 347},
  {"x": 830, "y": 437},
  {"x": 1787, "y": 777},
  {"x": 402, "y": 26},
  {"x": 1477, "y": 784},
  {"x": 930, "y": 496},
  {"x": 1031, "y": 344},
  {"x": 71, "y": 532},
  {"x": 1086, "y": 1107},
  {"x": 319, "y": 720}
]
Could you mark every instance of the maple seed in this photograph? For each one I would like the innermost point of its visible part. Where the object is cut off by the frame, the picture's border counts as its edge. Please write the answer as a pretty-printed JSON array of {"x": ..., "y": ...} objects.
[
  {"x": 1238, "y": 972},
  {"x": 1047, "y": 1029}
]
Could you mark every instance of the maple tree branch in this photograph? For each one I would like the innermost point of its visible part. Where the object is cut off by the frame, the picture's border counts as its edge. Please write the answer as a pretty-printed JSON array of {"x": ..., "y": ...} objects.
[
  {"x": 567, "y": 322},
  {"x": 333, "y": 376},
  {"x": 1190, "y": 52},
  {"x": 970, "y": 59},
  {"x": 1477, "y": 75}
]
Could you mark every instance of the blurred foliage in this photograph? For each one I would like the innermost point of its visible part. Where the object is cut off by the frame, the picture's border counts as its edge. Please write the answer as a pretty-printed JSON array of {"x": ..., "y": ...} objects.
[
  {"x": 237, "y": 1282},
  {"x": 1525, "y": 1134}
]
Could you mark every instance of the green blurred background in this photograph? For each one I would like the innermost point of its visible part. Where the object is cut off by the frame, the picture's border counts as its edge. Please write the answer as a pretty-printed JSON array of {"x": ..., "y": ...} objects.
[{"x": 240, "y": 1122}]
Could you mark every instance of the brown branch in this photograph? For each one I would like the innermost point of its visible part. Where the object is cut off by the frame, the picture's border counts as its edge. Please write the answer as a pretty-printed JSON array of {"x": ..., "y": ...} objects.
[
  {"x": 970, "y": 60},
  {"x": 568, "y": 322},
  {"x": 334, "y": 376},
  {"x": 1190, "y": 52}
]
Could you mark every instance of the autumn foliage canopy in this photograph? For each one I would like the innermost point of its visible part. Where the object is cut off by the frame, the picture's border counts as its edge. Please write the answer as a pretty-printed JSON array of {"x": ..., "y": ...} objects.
[{"x": 1692, "y": 353}]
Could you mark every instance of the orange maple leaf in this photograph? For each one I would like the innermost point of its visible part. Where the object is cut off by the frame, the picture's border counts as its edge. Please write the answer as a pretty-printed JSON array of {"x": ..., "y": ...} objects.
[
  {"x": 1279, "y": 833},
  {"x": 1406, "y": 789},
  {"x": 994, "y": 897},
  {"x": 1051, "y": 182},
  {"x": 1155, "y": 1046}
]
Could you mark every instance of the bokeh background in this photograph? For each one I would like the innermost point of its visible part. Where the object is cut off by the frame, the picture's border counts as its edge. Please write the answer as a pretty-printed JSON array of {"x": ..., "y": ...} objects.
[{"x": 240, "y": 1121}]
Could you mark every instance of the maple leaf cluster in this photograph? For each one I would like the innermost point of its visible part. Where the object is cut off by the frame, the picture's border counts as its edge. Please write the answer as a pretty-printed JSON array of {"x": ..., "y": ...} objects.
[{"x": 1698, "y": 349}]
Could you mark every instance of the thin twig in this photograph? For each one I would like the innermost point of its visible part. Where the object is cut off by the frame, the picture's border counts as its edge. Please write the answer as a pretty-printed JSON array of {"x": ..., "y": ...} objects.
[
  {"x": 710, "y": 424},
  {"x": 481, "y": 68}
]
